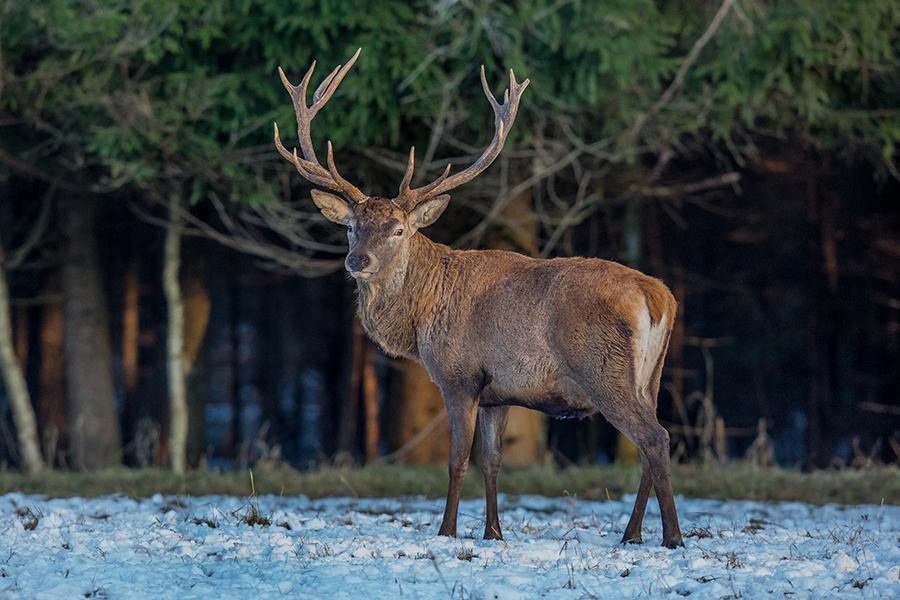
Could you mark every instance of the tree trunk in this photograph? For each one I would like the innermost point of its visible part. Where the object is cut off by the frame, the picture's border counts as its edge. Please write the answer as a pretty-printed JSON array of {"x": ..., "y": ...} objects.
[
  {"x": 130, "y": 346},
  {"x": 94, "y": 422},
  {"x": 197, "y": 310},
  {"x": 130, "y": 328},
  {"x": 237, "y": 406},
  {"x": 21, "y": 343},
  {"x": 16, "y": 388},
  {"x": 177, "y": 390},
  {"x": 823, "y": 331},
  {"x": 51, "y": 404},
  {"x": 420, "y": 403},
  {"x": 370, "y": 404},
  {"x": 349, "y": 414}
]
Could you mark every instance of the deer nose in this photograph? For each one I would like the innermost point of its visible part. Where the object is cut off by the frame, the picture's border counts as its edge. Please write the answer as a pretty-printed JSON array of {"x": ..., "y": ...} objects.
[{"x": 358, "y": 262}]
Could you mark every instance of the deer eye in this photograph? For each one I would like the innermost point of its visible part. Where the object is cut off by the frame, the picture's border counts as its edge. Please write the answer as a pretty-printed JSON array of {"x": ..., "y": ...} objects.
[
  {"x": 398, "y": 232},
  {"x": 349, "y": 228}
]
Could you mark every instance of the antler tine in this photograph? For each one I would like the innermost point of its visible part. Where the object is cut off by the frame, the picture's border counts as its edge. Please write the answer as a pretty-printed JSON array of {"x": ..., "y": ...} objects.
[
  {"x": 309, "y": 170},
  {"x": 406, "y": 199},
  {"x": 308, "y": 166},
  {"x": 301, "y": 111},
  {"x": 279, "y": 146},
  {"x": 490, "y": 95},
  {"x": 407, "y": 177},
  {"x": 317, "y": 95},
  {"x": 504, "y": 117},
  {"x": 427, "y": 189},
  {"x": 330, "y": 84},
  {"x": 352, "y": 191}
]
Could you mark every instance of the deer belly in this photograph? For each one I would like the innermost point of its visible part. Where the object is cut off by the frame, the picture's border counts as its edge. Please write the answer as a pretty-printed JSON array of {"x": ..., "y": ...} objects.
[{"x": 560, "y": 398}]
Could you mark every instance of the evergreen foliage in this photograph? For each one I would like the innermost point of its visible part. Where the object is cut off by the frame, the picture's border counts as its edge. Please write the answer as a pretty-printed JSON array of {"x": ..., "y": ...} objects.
[{"x": 148, "y": 92}]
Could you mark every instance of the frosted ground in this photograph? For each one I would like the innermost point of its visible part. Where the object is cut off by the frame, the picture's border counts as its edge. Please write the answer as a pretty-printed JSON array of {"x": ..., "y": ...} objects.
[{"x": 200, "y": 547}]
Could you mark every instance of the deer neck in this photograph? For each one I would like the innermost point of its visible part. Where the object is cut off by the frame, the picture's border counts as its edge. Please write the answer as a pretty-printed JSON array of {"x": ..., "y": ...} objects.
[{"x": 393, "y": 307}]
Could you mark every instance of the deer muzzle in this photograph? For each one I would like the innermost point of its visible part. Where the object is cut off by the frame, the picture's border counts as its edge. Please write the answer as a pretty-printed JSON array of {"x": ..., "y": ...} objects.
[{"x": 361, "y": 265}]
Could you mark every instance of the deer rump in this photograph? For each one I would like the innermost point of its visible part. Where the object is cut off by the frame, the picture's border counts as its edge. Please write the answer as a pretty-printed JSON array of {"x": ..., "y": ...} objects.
[{"x": 565, "y": 336}]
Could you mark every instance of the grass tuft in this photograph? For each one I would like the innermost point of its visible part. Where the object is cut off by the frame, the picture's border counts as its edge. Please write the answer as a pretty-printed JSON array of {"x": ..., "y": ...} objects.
[
  {"x": 205, "y": 521},
  {"x": 754, "y": 525},
  {"x": 30, "y": 517},
  {"x": 730, "y": 481},
  {"x": 700, "y": 533},
  {"x": 732, "y": 561},
  {"x": 254, "y": 517},
  {"x": 466, "y": 554}
]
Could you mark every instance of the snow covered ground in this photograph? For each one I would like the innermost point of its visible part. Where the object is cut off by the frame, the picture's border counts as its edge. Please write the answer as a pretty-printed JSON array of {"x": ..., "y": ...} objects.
[{"x": 200, "y": 547}]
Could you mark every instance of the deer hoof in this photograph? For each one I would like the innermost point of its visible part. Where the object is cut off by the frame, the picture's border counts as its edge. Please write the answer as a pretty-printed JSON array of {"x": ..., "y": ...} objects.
[
  {"x": 492, "y": 534},
  {"x": 632, "y": 539},
  {"x": 673, "y": 543}
]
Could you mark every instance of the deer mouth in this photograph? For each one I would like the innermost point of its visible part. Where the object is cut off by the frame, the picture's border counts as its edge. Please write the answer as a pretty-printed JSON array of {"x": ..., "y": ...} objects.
[{"x": 362, "y": 274}]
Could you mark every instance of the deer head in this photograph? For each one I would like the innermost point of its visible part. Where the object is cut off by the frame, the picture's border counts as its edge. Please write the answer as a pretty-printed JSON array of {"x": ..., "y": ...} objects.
[{"x": 378, "y": 228}]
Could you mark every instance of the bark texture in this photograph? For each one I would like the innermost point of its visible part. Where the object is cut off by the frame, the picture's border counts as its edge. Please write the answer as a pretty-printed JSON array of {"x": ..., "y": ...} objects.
[{"x": 94, "y": 423}]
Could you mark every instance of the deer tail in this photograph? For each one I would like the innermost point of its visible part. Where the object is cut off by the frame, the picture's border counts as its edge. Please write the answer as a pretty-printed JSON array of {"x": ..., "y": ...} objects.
[{"x": 653, "y": 340}]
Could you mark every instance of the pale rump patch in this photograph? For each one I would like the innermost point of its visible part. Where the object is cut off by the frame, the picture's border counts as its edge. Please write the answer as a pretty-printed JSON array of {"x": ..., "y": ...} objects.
[{"x": 649, "y": 343}]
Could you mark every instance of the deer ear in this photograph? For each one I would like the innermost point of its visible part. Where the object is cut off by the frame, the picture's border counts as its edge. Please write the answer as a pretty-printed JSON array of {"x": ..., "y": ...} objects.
[
  {"x": 428, "y": 212},
  {"x": 334, "y": 209}
]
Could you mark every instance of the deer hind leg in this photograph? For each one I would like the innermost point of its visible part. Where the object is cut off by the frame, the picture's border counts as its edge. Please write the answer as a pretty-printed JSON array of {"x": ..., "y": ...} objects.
[
  {"x": 654, "y": 443},
  {"x": 636, "y": 419},
  {"x": 662, "y": 480},
  {"x": 491, "y": 425},
  {"x": 461, "y": 414},
  {"x": 633, "y": 533}
]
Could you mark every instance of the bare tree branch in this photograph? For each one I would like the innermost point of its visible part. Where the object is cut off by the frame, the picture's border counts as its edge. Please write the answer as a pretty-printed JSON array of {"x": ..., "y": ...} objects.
[
  {"x": 35, "y": 235},
  {"x": 676, "y": 191},
  {"x": 239, "y": 238},
  {"x": 683, "y": 69}
]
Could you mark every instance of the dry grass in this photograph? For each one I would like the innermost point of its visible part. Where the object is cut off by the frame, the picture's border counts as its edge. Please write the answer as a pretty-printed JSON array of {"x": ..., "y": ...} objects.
[
  {"x": 253, "y": 516},
  {"x": 30, "y": 518},
  {"x": 734, "y": 481}
]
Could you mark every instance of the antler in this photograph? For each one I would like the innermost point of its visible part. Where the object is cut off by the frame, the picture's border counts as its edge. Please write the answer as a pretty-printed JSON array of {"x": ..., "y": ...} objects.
[
  {"x": 308, "y": 166},
  {"x": 504, "y": 117}
]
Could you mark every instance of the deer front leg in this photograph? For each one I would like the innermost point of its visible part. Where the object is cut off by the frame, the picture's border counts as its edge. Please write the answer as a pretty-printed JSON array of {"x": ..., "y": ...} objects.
[
  {"x": 461, "y": 414},
  {"x": 491, "y": 425}
]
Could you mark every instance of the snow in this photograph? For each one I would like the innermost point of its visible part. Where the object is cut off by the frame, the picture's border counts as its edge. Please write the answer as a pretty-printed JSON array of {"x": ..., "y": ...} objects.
[{"x": 198, "y": 547}]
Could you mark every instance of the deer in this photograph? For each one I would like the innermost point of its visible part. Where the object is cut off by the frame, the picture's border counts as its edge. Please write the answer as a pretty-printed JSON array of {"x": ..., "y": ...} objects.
[{"x": 569, "y": 336}]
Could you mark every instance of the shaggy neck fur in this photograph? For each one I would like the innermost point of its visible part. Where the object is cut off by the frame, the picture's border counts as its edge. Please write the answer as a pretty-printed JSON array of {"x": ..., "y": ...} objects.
[{"x": 393, "y": 307}]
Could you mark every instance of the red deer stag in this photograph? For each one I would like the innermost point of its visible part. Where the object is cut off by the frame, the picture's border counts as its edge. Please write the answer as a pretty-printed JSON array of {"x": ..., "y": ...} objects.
[{"x": 569, "y": 336}]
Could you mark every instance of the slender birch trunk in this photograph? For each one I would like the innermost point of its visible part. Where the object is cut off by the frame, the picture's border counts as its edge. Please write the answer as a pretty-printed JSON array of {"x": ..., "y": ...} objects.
[
  {"x": 178, "y": 408},
  {"x": 16, "y": 388}
]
